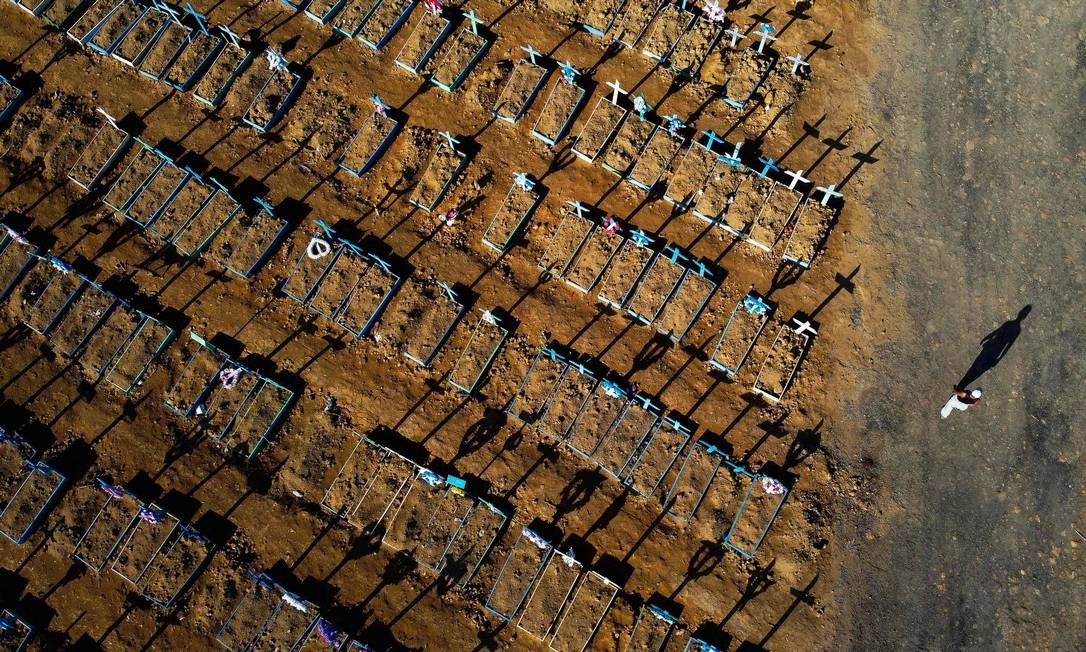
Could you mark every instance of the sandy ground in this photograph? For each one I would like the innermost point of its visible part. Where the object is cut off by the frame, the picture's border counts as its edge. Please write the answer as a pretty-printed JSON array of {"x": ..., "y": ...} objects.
[{"x": 264, "y": 514}]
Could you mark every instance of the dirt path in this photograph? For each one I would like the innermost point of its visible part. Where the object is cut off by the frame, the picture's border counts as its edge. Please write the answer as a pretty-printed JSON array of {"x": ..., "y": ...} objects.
[{"x": 974, "y": 545}]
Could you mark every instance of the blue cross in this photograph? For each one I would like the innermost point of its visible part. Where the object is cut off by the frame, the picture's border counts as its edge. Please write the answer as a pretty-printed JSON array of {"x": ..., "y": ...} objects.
[
  {"x": 676, "y": 254},
  {"x": 711, "y": 139},
  {"x": 475, "y": 22},
  {"x": 768, "y": 164},
  {"x": 641, "y": 238},
  {"x": 201, "y": 19}
]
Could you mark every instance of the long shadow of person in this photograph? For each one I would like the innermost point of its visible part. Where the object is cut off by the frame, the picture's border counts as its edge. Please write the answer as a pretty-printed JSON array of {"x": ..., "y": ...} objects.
[{"x": 994, "y": 347}]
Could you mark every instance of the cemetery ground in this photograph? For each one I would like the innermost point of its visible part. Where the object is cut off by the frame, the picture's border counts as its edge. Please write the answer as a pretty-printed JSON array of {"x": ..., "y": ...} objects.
[{"x": 832, "y": 435}]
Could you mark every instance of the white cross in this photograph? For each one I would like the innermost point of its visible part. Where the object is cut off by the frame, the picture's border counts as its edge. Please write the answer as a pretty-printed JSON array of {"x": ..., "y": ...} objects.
[
  {"x": 450, "y": 140},
  {"x": 490, "y": 318},
  {"x": 234, "y": 39},
  {"x": 470, "y": 15},
  {"x": 276, "y": 61},
  {"x": 108, "y": 117},
  {"x": 828, "y": 192},
  {"x": 736, "y": 36},
  {"x": 616, "y": 90},
  {"x": 578, "y": 206},
  {"x": 523, "y": 181},
  {"x": 804, "y": 327},
  {"x": 765, "y": 31},
  {"x": 798, "y": 61},
  {"x": 531, "y": 52},
  {"x": 797, "y": 178}
]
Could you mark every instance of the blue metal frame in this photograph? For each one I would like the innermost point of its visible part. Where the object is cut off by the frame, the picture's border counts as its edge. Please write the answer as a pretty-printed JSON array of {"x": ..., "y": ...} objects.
[
  {"x": 434, "y": 45},
  {"x": 672, "y": 259},
  {"x": 327, "y": 15},
  {"x": 145, "y": 321},
  {"x": 166, "y": 162},
  {"x": 352, "y": 32},
  {"x": 755, "y": 477},
  {"x": 393, "y": 28},
  {"x": 325, "y": 233},
  {"x": 61, "y": 269},
  {"x": 221, "y": 92},
  {"x": 674, "y": 426},
  {"x": 124, "y": 531},
  {"x": 749, "y": 51},
  {"x": 108, "y": 49},
  {"x": 88, "y": 286},
  {"x": 694, "y": 644},
  {"x": 523, "y": 108},
  {"x": 638, "y": 238},
  {"x": 113, "y": 157},
  {"x": 705, "y": 449},
  {"x": 145, "y": 150},
  {"x": 468, "y": 67},
  {"x": 575, "y": 215},
  {"x": 755, "y": 305},
  {"x": 547, "y": 352},
  {"x": 497, "y": 323},
  {"x": 647, "y": 405},
  {"x": 546, "y": 556},
  {"x": 713, "y": 276},
  {"x": 263, "y": 209},
  {"x": 660, "y": 130},
  {"x": 377, "y": 152},
  {"x": 662, "y": 57},
  {"x": 501, "y": 247},
  {"x": 10, "y": 619},
  {"x": 569, "y": 118},
  {"x": 172, "y": 526},
  {"x": 138, "y": 59},
  {"x": 614, "y": 392},
  {"x": 183, "y": 531},
  {"x": 444, "y": 188},
  {"x": 454, "y": 297},
  {"x": 201, "y": 396},
  {"x": 569, "y": 370},
  {"x": 35, "y": 468},
  {"x": 284, "y": 105},
  {"x": 159, "y": 74},
  {"x": 610, "y": 136},
  {"x": 397, "y": 280},
  {"x": 658, "y": 614},
  {"x": 89, "y": 34},
  {"x": 259, "y": 580},
  {"x": 195, "y": 252},
  {"x": 185, "y": 84}
]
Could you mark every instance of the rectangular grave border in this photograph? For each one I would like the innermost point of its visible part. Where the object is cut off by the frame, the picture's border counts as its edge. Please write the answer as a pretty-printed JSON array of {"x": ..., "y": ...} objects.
[
  {"x": 545, "y": 351},
  {"x": 523, "y": 108},
  {"x": 579, "y": 213},
  {"x": 740, "y": 103},
  {"x": 677, "y": 257},
  {"x": 638, "y": 238},
  {"x": 353, "y": 32},
  {"x": 569, "y": 118},
  {"x": 146, "y": 320},
  {"x": 629, "y": 167},
  {"x": 10, "y": 237},
  {"x": 776, "y": 187},
  {"x": 258, "y": 579},
  {"x": 426, "y": 476},
  {"x": 88, "y": 285},
  {"x": 389, "y": 267},
  {"x": 89, "y": 34},
  {"x": 315, "y": 250},
  {"x": 191, "y": 176},
  {"x": 610, "y": 136},
  {"x": 463, "y": 156},
  {"x": 62, "y": 268},
  {"x": 458, "y": 298},
  {"x": 535, "y": 540},
  {"x": 201, "y": 395},
  {"x": 126, "y": 141},
  {"x": 755, "y": 305},
  {"x": 601, "y": 30},
  {"x": 454, "y": 485},
  {"x": 608, "y": 226},
  {"x": 655, "y": 410},
  {"x": 631, "y": 42},
  {"x": 20, "y": 95},
  {"x": 584, "y": 367},
  {"x": 662, "y": 57},
  {"x": 198, "y": 72},
  {"x": 167, "y": 162},
  {"x": 561, "y": 557},
  {"x": 713, "y": 275},
  {"x": 695, "y": 644},
  {"x": 174, "y": 19},
  {"x": 328, "y": 15},
  {"x": 487, "y": 549},
  {"x": 524, "y": 183},
  {"x": 232, "y": 42},
  {"x": 34, "y": 11},
  {"x": 263, "y": 209},
  {"x": 442, "y": 34},
  {"x": 685, "y": 203},
  {"x": 290, "y": 600},
  {"x": 35, "y": 468},
  {"x": 471, "y": 63},
  {"x": 155, "y": 512},
  {"x": 62, "y": 23},
  {"x": 755, "y": 478},
  {"x": 135, "y": 61},
  {"x": 492, "y": 319},
  {"x": 665, "y": 422},
  {"x": 614, "y": 390},
  {"x": 9, "y": 619},
  {"x": 573, "y": 600},
  {"x": 334, "y": 637},
  {"x": 350, "y": 456},
  {"x": 665, "y": 132},
  {"x": 115, "y": 492},
  {"x": 799, "y": 215},
  {"x": 147, "y": 149},
  {"x": 657, "y": 613},
  {"x": 218, "y": 189},
  {"x": 284, "y": 103},
  {"x": 108, "y": 49},
  {"x": 801, "y": 328},
  {"x": 380, "y": 112},
  {"x": 388, "y": 456},
  {"x": 392, "y": 29},
  {"x": 692, "y": 73},
  {"x": 242, "y": 410},
  {"x": 188, "y": 531}
]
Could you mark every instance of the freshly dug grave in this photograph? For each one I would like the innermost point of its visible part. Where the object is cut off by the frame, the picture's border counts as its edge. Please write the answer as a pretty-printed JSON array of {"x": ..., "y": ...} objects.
[
  {"x": 775, "y": 214},
  {"x": 602, "y": 124},
  {"x": 563, "y": 100},
  {"x": 655, "y": 159},
  {"x": 420, "y": 44},
  {"x": 686, "y": 304},
  {"x": 566, "y": 241},
  {"x": 116, "y": 24},
  {"x": 522, "y": 86},
  {"x": 456, "y": 56},
  {"x": 624, "y": 272},
  {"x": 161, "y": 54},
  {"x": 438, "y": 177},
  {"x": 635, "y": 17},
  {"x": 477, "y": 354},
  {"x": 747, "y": 75},
  {"x": 382, "y": 20},
  {"x": 200, "y": 47},
  {"x": 511, "y": 216},
  {"x": 655, "y": 288},
  {"x": 738, "y": 338},
  {"x": 271, "y": 101},
  {"x": 352, "y": 15},
  {"x": 712, "y": 202},
  {"x": 748, "y": 201},
  {"x": 215, "y": 214},
  {"x": 669, "y": 25},
  {"x": 221, "y": 73},
  {"x": 693, "y": 47},
  {"x": 809, "y": 232},
  {"x": 184, "y": 205},
  {"x": 555, "y": 583},
  {"x": 593, "y": 259},
  {"x": 155, "y": 193},
  {"x": 627, "y": 145},
  {"x": 690, "y": 175},
  {"x": 783, "y": 358}
]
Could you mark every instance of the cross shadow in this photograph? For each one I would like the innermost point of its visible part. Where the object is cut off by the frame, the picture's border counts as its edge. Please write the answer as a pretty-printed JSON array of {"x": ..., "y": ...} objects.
[{"x": 994, "y": 347}]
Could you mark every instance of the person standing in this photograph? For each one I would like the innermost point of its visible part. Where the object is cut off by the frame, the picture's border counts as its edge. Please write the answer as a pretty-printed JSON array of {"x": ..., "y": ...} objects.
[{"x": 961, "y": 400}]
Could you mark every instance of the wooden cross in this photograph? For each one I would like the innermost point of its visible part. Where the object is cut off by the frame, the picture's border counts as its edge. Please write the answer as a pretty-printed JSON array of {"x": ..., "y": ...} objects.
[
  {"x": 234, "y": 39},
  {"x": 767, "y": 165},
  {"x": 110, "y": 119},
  {"x": 579, "y": 207},
  {"x": 828, "y": 192},
  {"x": 676, "y": 254},
  {"x": 616, "y": 90},
  {"x": 475, "y": 22},
  {"x": 450, "y": 140},
  {"x": 531, "y": 52},
  {"x": 736, "y": 36},
  {"x": 711, "y": 139},
  {"x": 201, "y": 19},
  {"x": 797, "y": 62},
  {"x": 766, "y": 34},
  {"x": 378, "y": 105},
  {"x": 797, "y": 178},
  {"x": 523, "y": 181}
]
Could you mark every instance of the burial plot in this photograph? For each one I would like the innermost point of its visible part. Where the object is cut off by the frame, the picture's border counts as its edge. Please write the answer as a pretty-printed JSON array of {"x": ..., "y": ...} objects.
[
  {"x": 424, "y": 40},
  {"x": 137, "y": 41},
  {"x": 656, "y": 456},
  {"x": 783, "y": 359},
  {"x": 432, "y": 329},
  {"x": 197, "y": 54},
  {"x": 746, "y": 76},
  {"x": 626, "y": 146},
  {"x": 406, "y": 525},
  {"x": 16, "y": 257},
  {"x": 353, "y": 16},
  {"x": 84, "y": 28},
  {"x": 527, "y": 557},
  {"x": 566, "y": 401},
  {"x": 562, "y": 103},
  {"x": 692, "y": 173},
  {"x": 652, "y": 629},
  {"x": 15, "y": 632},
  {"x": 323, "y": 11},
  {"x": 289, "y": 622},
  {"x": 362, "y": 297},
  {"x": 595, "y": 255},
  {"x": 275, "y": 94},
  {"x": 137, "y": 350},
  {"x": 179, "y": 209},
  {"x": 98, "y": 156},
  {"x": 472, "y": 543},
  {"x": 459, "y": 55},
  {"x": 587, "y": 607},
  {"x": 60, "y": 14},
  {"x": 521, "y": 88},
  {"x": 809, "y": 232},
  {"x": 660, "y": 150},
  {"x": 712, "y": 202},
  {"x": 750, "y": 196},
  {"x": 191, "y": 385},
  {"x": 384, "y": 21},
  {"x": 531, "y": 398},
  {"x": 670, "y": 24},
  {"x": 479, "y": 353},
  {"x": 176, "y": 566},
  {"x": 741, "y": 331},
  {"x": 689, "y": 299},
  {"x": 441, "y": 524},
  {"x": 350, "y": 483},
  {"x": 14, "y": 455},
  {"x": 599, "y": 412},
  {"x": 110, "y": 525},
  {"x": 323, "y": 636},
  {"x": 250, "y": 616},
  {"x": 45, "y": 293},
  {"x": 370, "y": 141},
  {"x": 222, "y": 70},
  {"x": 368, "y": 484},
  {"x": 167, "y": 46},
  {"x": 634, "y": 256},
  {"x": 115, "y": 26},
  {"x": 637, "y": 421},
  {"x": 600, "y": 16},
  {"x": 776, "y": 214},
  {"x": 32, "y": 7},
  {"x": 695, "y": 44},
  {"x": 196, "y": 235},
  {"x": 632, "y": 23},
  {"x": 602, "y": 124},
  {"x": 250, "y": 240},
  {"x": 693, "y": 480},
  {"x": 149, "y": 533},
  {"x": 445, "y": 164},
  {"x": 572, "y": 232},
  {"x": 383, "y": 492},
  {"x": 544, "y": 605},
  {"x": 313, "y": 263},
  {"x": 141, "y": 168},
  {"x": 763, "y": 501},
  {"x": 512, "y": 214},
  {"x": 257, "y": 417},
  {"x": 156, "y": 191},
  {"x": 658, "y": 284},
  {"x": 24, "y": 509}
]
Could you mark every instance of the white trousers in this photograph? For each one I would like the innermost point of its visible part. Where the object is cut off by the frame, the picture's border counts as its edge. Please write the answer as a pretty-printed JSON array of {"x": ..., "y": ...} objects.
[{"x": 953, "y": 404}]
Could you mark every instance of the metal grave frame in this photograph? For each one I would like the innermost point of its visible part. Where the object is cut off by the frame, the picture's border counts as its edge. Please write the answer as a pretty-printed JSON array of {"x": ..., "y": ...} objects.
[
  {"x": 538, "y": 542},
  {"x": 754, "y": 305}
]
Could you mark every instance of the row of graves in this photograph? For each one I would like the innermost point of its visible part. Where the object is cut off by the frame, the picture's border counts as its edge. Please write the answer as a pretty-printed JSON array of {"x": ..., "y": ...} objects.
[
  {"x": 108, "y": 336},
  {"x": 177, "y": 47},
  {"x": 633, "y": 438},
  {"x": 155, "y": 552},
  {"x": 193, "y": 212},
  {"x": 269, "y": 617}
]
